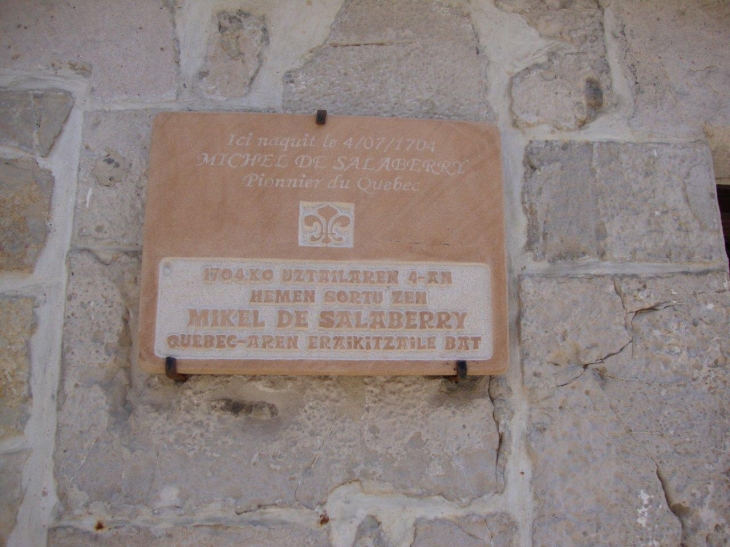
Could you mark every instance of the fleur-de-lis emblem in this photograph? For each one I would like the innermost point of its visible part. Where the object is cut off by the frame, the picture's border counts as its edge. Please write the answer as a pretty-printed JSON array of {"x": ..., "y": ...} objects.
[{"x": 326, "y": 224}]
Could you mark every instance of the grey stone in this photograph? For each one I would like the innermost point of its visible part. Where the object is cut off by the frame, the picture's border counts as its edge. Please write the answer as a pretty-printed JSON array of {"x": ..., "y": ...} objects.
[
  {"x": 31, "y": 120},
  {"x": 235, "y": 53},
  {"x": 631, "y": 450},
  {"x": 110, "y": 196},
  {"x": 621, "y": 202},
  {"x": 573, "y": 86},
  {"x": 11, "y": 491},
  {"x": 370, "y": 534},
  {"x": 676, "y": 64},
  {"x": 17, "y": 326},
  {"x": 373, "y": 64},
  {"x": 128, "y": 51},
  {"x": 25, "y": 203},
  {"x": 259, "y": 535},
  {"x": 670, "y": 392},
  {"x": 495, "y": 530},
  {"x": 566, "y": 324},
  {"x": 130, "y": 443}
]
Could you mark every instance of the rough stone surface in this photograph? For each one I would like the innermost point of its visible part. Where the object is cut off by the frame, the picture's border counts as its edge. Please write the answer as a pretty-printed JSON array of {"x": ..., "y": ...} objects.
[
  {"x": 584, "y": 324},
  {"x": 677, "y": 68},
  {"x": 127, "y": 50},
  {"x": 31, "y": 120},
  {"x": 573, "y": 85},
  {"x": 25, "y": 202},
  {"x": 373, "y": 64},
  {"x": 621, "y": 202},
  {"x": 11, "y": 491},
  {"x": 498, "y": 530},
  {"x": 371, "y": 534},
  {"x": 17, "y": 324},
  {"x": 113, "y": 179},
  {"x": 127, "y": 441},
  {"x": 616, "y": 459},
  {"x": 261, "y": 535},
  {"x": 235, "y": 53},
  {"x": 719, "y": 139}
]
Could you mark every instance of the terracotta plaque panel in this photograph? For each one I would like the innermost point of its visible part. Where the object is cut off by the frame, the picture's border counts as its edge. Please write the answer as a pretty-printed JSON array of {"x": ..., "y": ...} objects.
[{"x": 363, "y": 246}]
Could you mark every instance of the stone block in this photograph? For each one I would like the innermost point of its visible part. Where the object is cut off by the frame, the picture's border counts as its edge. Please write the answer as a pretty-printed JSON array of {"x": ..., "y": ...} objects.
[
  {"x": 11, "y": 491},
  {"x": 127, "y": 50},
  {"x": 631, "y": 450},
  {"x": 235, "y": 53},
  {"x": 17, "y": 326},
  {"x": 373, "y": 64},
  {"x": 676, "y": 63},
  {"x": 495, "y": 530},
  {"x": 621, "y": 202},
  {"x": 129, "y": 443},
  {"x": 31, "y": 120},
  {"x": 25, "y": 202},
  {"x": 258, "y": 535},
  {"x": 110, "y": 196},
  {"x": 566, "y": 324},
  {"x": 573, "y": 85}
]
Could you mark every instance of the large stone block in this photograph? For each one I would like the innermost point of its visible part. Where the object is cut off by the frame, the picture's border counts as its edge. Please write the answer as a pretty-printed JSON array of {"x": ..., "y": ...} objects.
[
  {"x": 128, "y": 50},
  {"x": 631, "y": 450},
  {"x": 17, "y": 324},
  {"x": 573, "y": 86},
  {"x": 25, "y": 202},
  {"x": 259, "y": 535},
  {"x": 621, "y": 202},
  {"x": 675, "y": 57},
  {"x": 235, "y": 53},
  {"x": 497, "y": 530},
  {"x": 419, "y": 60},
  {"x": 110, "y": 196},
  {"x": 31, "y": 120},
  {"x": 11, "y": 491},
  {"x": 129, "y": 443}
]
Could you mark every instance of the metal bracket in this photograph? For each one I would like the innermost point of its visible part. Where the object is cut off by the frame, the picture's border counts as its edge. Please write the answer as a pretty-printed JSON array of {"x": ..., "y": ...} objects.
[
  {"x": 461, "y": 370},
  {"x": 321, "y": 117},
  {"x": 172, "y": 373}
]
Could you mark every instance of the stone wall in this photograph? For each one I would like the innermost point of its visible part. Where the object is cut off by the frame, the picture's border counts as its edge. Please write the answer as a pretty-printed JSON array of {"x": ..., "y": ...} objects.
[{"x": 612, "y": 425}]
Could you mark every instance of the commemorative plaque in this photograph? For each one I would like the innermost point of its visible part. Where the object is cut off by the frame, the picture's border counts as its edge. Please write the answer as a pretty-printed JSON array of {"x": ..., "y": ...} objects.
[{"x": 363, "y": 246}]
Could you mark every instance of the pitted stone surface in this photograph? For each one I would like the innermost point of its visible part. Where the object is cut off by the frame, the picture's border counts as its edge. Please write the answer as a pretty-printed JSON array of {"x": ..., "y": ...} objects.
[
  {"x": 670, "y": 392},
  {"x": 676, "y": 66},
  {"x": 568, "y": 323},
  {"x": 419, "y": 60},
  {"x": 621, "y": 202},
  {"x": 110, "y": 196},
  {"x": 255, "y": 441},
  {"x": 495, "y": 530},
  {"x": 573, "y": 85},
  {"x": 235, "y": 53},
  {"x": 635, "y": 443},
  {"x": 371, "y": 534},
  {"x": 259, "y": 535},
  {"x": 31, "y": 120},
  {"x": 11, "y": 491},
  {"x": 25, "y": 202},
  {"x": 591, "y": 484},
  {"x": 18, "y": 325},
  {"x": 127, "y": 50}
]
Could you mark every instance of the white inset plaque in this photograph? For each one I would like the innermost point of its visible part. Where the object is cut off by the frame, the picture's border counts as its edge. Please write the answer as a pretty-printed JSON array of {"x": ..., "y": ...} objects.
[{"x": 273, "y": 309}]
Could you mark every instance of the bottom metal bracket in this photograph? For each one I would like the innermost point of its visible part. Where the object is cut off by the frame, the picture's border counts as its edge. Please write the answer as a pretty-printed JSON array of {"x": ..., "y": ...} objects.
[
  {"x": 461, "y": 370},
  {"x": 172, "y": 373}
]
